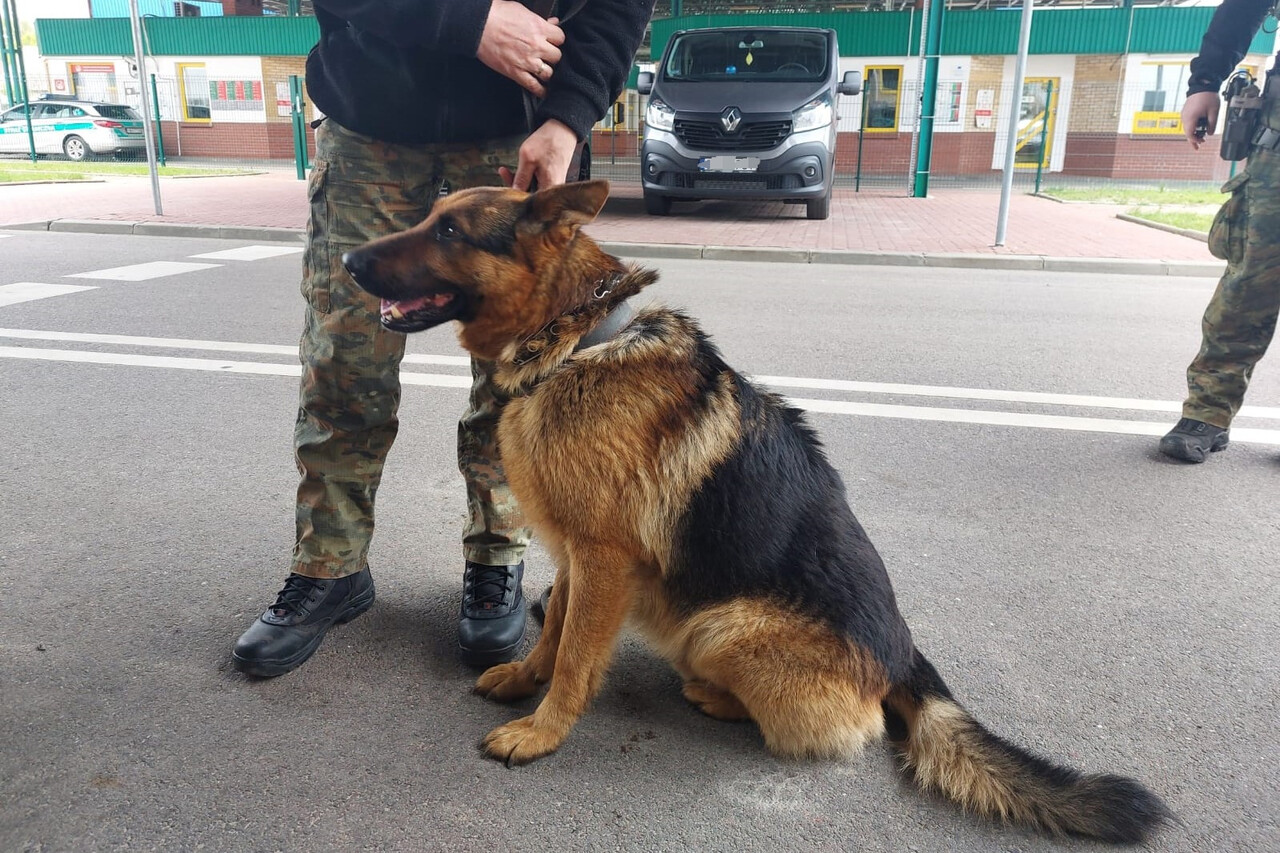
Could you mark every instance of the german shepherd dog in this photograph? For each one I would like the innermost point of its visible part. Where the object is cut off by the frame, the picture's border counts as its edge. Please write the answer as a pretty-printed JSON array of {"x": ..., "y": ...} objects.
[{"x": 674, "y": 494}]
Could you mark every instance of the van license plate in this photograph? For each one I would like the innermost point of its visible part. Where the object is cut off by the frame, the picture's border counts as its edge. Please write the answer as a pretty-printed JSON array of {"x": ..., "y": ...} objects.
[{"x": 728, "y": 164}]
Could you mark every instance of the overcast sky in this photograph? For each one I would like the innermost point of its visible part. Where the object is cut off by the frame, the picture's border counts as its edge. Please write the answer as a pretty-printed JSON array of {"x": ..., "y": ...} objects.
[{"x": 29, "y": 10}]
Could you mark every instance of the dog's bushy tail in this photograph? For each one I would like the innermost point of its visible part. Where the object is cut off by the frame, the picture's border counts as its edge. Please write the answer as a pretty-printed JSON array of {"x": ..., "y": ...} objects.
[{"x": 950, "y": 752}]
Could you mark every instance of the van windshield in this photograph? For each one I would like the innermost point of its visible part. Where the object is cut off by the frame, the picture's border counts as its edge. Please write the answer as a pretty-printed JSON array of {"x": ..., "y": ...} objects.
[{"x": 773, "y": 56}]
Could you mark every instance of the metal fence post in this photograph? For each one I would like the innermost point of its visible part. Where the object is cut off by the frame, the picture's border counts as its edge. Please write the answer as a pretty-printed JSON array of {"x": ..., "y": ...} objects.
[
  {"x": 155, "y": 98},
  {"x": 862, "y": 133},
  {"x": 1044, "y": 132},
  {"x": 299, "y": 126}
]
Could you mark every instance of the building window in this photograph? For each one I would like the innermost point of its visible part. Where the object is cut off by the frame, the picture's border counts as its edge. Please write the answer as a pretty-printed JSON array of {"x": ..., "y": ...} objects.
[
  {"x": 1163, "y": 86},
  {"x": 883, "y": 84},
  {"x": 193, "y": 88},
  {"x": 94, "y": 82}
]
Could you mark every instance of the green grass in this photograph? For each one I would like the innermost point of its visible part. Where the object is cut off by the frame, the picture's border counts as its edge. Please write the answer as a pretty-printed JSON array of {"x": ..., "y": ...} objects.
[
  {"x": 12, "y": 176},
  {"x": 65, "y": 170},
  {"x": 1177, "y": 218},
  {"x": 1137, "y": 195}
]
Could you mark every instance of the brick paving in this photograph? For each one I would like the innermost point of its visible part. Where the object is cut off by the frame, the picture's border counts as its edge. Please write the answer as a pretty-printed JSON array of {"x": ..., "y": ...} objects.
[{"x": 878, "y": 220}]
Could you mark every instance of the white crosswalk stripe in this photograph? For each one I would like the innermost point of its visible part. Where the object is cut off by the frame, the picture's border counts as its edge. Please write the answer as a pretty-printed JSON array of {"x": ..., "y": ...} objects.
[
  {"x": 250, "y": 253},
  {"x": 27, "y": 291},
  {"x": 144, "y": 272}
]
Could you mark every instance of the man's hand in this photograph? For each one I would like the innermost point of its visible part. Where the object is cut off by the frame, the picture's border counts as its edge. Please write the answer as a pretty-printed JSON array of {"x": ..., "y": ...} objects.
[
  {"x": 1200, "y": 106},
  {"x": 544, "y": 156},
  {"x": 521, "y": 45}
]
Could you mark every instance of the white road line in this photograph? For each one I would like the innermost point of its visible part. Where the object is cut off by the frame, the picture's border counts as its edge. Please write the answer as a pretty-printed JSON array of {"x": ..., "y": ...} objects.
[
  {"x": 876, "y": 410},
  {"x": 207, "y": 364},
  {"x": 250, "y": 253},
  {"x": 1082, "y": 400},
  {"x": 27, "y": 291},
  {"x": 209, "y": 346},
  {"x": 977, "y": 416},
  {"x": 144, "y": 272}
]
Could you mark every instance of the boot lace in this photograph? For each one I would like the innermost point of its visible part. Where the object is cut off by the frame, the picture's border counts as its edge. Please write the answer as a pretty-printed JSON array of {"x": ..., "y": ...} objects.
[
  {"x": 487, "y": 586},
  {"x": 297, "y": 589}
]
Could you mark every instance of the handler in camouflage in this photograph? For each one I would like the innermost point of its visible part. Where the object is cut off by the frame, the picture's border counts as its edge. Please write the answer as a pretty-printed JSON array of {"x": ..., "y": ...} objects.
[
  {"x": 419, "y": 95},
  {"x": 1241, "y": 317}
]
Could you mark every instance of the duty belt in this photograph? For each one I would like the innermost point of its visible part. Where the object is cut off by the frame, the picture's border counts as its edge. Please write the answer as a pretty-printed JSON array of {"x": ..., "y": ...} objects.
[{"x": 1266, "y": 138}]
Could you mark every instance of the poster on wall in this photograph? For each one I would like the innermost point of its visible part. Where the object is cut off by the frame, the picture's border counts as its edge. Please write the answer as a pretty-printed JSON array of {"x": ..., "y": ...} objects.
[
  {"x": 948, "y": 104},
  {"x": 236, "y": 95},
  {"x": 982, "y": 108},
  {"x": 284, "y": 100}
]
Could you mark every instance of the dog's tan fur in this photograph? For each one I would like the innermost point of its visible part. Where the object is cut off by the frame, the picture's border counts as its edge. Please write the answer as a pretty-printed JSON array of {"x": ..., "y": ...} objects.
[{"x": 609, "y": 447}]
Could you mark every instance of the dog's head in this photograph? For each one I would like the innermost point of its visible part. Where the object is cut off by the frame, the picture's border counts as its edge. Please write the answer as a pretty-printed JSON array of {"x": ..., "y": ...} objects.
[{"x": 497, "y": 260}]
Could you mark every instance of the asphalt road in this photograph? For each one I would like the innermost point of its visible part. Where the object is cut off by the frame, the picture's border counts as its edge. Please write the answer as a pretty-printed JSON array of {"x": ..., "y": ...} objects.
[{"x": 1081, "y": 595}]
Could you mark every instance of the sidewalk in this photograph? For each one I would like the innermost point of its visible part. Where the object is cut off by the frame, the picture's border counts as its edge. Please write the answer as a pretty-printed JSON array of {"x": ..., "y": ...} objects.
[{"x": 953, "y": 227}]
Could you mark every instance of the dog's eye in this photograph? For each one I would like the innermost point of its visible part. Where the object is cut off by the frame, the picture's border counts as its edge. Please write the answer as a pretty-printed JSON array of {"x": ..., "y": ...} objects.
[{"x": 446, "y": 231}]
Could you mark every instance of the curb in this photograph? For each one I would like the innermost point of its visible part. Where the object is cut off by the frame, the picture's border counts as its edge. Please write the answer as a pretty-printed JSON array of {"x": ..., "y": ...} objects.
[
  {"x": 1202, "y": 236},
  {"x": 161, "y": 229},
  {"x": 846, "y": 257}
]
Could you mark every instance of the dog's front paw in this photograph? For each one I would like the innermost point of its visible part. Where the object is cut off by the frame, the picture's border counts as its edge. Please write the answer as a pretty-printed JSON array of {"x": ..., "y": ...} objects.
[
  {"x": 507, "y": 682},
  {"x": 520, "y": 742}
]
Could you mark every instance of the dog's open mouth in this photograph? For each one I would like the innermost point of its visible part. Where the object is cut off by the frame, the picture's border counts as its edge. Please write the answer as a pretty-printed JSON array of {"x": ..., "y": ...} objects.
[{"x": 423, "y": 312}]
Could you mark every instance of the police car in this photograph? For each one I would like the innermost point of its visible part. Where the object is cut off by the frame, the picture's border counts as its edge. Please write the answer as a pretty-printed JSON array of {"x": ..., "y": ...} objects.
[{"x": 77, "y": 129}]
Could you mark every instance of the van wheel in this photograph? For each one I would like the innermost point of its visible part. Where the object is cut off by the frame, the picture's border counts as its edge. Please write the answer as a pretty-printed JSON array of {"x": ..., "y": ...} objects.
[
  {"x": 76, "y": 149},
  {"x": 657, "y": 205},
  {"x": 819, "y": 208}
]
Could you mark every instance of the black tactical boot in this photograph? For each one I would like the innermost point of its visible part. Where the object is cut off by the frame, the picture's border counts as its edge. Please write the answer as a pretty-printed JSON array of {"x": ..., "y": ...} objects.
[
  {"x": 1190, "y": 440},
  {"x": 492, "y": 625},
  {"x": 290, "y": 630}
]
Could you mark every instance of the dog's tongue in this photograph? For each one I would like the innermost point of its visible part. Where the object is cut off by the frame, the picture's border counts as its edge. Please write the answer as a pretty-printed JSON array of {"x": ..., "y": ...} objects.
[{"x": 404, "y": 308}]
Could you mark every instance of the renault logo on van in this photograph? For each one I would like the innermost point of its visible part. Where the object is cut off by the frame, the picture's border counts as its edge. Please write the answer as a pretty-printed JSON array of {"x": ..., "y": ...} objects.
[{"x": 730, "y": 119}]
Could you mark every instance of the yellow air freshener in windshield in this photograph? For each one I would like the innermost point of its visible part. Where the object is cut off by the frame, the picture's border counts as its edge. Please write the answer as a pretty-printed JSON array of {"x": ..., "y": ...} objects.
[{"x": 750, "y": 59}]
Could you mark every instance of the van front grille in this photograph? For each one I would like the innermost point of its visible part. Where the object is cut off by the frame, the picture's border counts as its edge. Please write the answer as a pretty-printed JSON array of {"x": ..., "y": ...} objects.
[
  {"x": 751, "y": 136},
  {"x": 744, "y": 181}
]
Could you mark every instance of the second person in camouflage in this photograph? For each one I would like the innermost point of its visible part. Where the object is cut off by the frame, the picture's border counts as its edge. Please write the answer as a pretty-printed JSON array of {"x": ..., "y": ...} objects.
[{"x": 1241, "y": 316}]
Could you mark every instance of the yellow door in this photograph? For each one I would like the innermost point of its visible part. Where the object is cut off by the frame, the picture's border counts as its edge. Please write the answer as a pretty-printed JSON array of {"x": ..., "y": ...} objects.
[{"x": 1036, "y": 111}]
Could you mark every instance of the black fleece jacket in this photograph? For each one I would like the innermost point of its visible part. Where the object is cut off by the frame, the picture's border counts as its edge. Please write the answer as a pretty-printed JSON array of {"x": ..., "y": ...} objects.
[
  {"x": 1232, "y": 28},
  {"x": 406, "y": 70}
]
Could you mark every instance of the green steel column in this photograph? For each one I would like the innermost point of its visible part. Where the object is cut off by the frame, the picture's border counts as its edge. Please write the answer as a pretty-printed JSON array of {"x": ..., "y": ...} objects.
[
  {"x": 295, "y": 8},
  {"x": 5, "y": 59},
  {"x": 928, "y": 96},
  {"x": 23, "y": 95}
]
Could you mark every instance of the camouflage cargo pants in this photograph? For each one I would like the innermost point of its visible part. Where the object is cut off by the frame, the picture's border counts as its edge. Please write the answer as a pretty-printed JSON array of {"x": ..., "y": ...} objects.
[
  {"x": 1241, "y": 317},
  {"x": 362, "y": 189}
]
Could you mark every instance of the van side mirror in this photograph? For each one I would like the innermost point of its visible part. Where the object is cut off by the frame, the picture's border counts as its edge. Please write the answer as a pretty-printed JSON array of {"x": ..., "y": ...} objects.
[
  {"x": 644, "y": 82},
  {"x": 852, "y": 83}
]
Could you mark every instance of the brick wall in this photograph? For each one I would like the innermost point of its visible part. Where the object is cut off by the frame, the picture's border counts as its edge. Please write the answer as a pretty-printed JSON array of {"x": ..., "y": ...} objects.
[
  {"x": 1095, "y": 94},
  {"x": 277, "y": 70},
  {"x": 233, "y": 140},
  {"x": 1153, "y": 158}
]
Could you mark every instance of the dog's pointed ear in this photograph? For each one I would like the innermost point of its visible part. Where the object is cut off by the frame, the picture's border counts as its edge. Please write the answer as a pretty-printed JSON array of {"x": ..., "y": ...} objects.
[{"x": 568, "y": 206}]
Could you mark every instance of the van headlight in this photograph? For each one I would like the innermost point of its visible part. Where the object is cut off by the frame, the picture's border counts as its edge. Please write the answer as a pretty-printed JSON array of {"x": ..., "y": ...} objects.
[
  {"x": 659, "y": 116},
  {"x": 816, "y": 113}
]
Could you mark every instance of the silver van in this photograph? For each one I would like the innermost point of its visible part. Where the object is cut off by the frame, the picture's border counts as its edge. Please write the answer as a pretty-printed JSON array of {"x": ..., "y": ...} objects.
[{"x": 743, "y": 113}]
